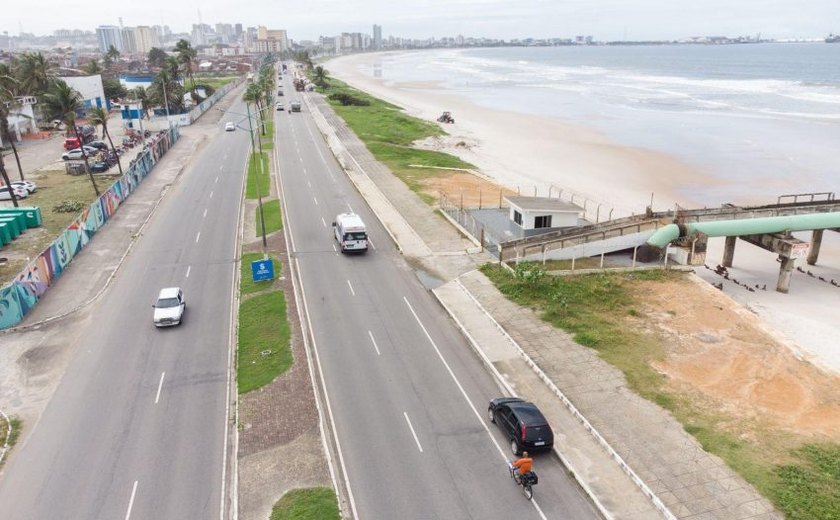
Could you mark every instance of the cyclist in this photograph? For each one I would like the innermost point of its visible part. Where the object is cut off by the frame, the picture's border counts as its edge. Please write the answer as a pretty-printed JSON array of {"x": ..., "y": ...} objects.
[{"x": 522, "y": 465}]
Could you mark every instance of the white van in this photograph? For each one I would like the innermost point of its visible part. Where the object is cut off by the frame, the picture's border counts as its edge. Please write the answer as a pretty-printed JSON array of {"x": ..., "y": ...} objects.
[{"x": 350, "y": 233}]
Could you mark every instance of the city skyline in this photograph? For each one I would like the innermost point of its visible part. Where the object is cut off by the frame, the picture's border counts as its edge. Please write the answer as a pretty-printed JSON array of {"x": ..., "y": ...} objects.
[{"x": 504, "y": 19}]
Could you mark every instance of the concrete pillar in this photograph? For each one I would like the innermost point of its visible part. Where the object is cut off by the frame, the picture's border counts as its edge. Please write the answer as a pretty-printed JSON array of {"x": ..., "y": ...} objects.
[
  {"x": 729, "y": 251},
  {"x": 785, "y": 270},
  {"x": 814, "y": 252}
]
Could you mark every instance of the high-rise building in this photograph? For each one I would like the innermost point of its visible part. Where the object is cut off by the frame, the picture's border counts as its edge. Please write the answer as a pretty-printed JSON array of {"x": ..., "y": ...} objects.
[
  {"x": 377, "y": 37},
  {"x": 237, "y": 30},
  {"x": 129, "y": 40},
  {"x": 109, "y": 35},
  {"x": 271, "y": 40},
  {"x": 145, "y": 38},
  {"x": 224, "y": 32}
]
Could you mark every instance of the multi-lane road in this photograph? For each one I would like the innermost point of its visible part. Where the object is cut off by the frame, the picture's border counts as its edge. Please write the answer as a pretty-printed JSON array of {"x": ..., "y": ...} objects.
[
  {"x": 407, "y": 395},
  {"x": 137, "y": 428}
]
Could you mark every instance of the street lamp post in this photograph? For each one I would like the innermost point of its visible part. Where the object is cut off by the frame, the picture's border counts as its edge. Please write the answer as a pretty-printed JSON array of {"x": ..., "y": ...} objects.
[{"x": 259, "y": 189}]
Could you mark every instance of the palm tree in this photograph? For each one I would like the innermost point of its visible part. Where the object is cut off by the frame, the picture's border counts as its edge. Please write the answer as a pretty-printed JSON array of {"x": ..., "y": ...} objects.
[
  {"x": 110, "y": 57},
  {"x": 156, "y": 57},
  {"x": 254, "y": 94},
  {"x": 8, "y": 105},
  {"x": 186, "y": 55},
  {"x": 99, "y": 117},
  {"x": 165, "y": 89},
  {"x": 33, "y": 73},
  {"x": 62, "y": 102},
  {"x": 319, "y": 75},
  {"x": 93, "y": 68}
]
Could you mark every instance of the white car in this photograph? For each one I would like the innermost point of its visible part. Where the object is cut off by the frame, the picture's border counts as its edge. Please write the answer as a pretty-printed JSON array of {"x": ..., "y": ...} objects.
[
  {"x": 279, "y": 106},
  {"x": 29, "y": 186},
  {"x": 229, "y": 126},
  {"x": 76, "y": 153},
  {"x": 6, "y": 194},
  {"x": 169, "y": 307}
]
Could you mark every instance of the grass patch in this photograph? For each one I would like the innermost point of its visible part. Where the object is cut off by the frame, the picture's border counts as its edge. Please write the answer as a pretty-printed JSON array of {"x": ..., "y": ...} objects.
[
  {"x": 259, "y": 180},
  {"x": 247, "y": 285},
  {"x": 801, "y": 478},
  {"x": 389, "y": 134},
  {"x": 273, "y": 220},
  {"x": 307, "y": 504},
  {"x": 12, "y": 439},
  {"x": 264, "y": 351},
  {"x": 215, "y": 82}
]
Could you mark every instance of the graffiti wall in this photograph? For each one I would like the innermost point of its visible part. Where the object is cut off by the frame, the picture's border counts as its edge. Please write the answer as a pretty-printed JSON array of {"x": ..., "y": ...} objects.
[{"x": 20, "y": 296}]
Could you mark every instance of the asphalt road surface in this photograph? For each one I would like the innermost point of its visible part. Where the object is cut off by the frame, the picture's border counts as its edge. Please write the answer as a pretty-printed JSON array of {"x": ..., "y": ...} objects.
[
  {"x": 136, "y": 428},
  {"x": 408, "y": 397}
]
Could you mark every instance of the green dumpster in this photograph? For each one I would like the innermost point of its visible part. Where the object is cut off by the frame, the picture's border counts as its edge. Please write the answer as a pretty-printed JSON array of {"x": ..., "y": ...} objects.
[
  {"x": 12, "y": 225},
  {"x": 5, "y": 236},
  {"x": 18, "y": 217},
  {"x": 31, "y": 215}
]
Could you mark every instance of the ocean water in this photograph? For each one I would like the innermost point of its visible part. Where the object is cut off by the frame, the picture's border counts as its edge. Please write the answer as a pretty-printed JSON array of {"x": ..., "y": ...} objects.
[{"x": 764, "y": 119}]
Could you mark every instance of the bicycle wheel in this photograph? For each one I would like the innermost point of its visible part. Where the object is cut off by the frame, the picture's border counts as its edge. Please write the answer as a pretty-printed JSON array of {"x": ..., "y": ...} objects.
[{"x": 529, "y": 491}]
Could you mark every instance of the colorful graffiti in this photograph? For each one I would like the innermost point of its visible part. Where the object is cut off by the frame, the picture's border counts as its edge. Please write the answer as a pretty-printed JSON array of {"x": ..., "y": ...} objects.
[{"x": 22, "y": 294}]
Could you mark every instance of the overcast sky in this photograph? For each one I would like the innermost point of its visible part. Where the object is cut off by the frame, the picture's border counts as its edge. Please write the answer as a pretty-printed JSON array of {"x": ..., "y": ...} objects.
[{"x": 308, "y": 19}]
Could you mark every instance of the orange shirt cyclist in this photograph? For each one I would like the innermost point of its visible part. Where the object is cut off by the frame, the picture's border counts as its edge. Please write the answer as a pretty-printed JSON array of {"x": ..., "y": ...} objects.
[{"x": 524, "y": 464}]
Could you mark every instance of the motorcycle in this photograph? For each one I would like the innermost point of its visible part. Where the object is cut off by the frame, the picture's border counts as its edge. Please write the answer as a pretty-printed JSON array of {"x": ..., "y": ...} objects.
[{"x": 526, "y": 480}]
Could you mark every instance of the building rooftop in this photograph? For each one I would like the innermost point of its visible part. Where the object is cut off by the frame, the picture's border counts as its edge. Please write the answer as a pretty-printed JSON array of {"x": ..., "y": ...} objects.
[{"x": 543, "y": 203}]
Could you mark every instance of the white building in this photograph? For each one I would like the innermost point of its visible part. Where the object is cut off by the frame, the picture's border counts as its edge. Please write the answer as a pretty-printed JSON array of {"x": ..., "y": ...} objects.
[
  {"x": 145, "y": 38},
  {"x": 21, "y": 118},
  {"x": 90, "y": 87},
  {"x": 109, "y": 35},
  {"x": 542, "y": 213}
]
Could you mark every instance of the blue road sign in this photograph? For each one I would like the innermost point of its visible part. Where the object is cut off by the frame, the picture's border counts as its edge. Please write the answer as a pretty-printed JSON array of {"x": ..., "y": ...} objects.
[{"x": 262, "y": 270}]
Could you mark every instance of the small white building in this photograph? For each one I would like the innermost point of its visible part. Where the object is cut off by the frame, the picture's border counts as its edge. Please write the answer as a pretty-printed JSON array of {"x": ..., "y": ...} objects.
[
  {"x": 21, "y": 118},
  {"x": 543, "y": 213},
  {"x": 90, "y": 87}
]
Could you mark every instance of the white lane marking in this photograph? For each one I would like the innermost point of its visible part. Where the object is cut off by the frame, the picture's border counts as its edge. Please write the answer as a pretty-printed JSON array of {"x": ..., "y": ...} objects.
[
  {"x": 371, "y": 243},
  {"x": 217, "y": 179},
  {"x": 351, "y": 288},
  {"x": 413, "y": 433},
  {"x": 324, "y": 222},
  {"x": 309, "y": 184},
  {"x": 189, "y": 267},
  {"x": 374, "y": 343},
  {"x": 335, "y": 248},
  {"x": 205, "y": 213},
  {"x": 197, "y": 237},
  {"x": 464, "y": 394},
  {"x": 211, "y": 194},
  {"x": 349, "y": 207},
  {"x": 316, "y": 200},
  {"x": 131, "y": 501},
  {"x": 221, "y": 167},
  {"x": 160, "y": 385}
]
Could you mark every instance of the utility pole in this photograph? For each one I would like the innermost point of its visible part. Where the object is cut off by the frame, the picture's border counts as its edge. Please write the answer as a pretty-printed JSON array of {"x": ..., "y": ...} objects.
[{"x": 259, "y": 175}]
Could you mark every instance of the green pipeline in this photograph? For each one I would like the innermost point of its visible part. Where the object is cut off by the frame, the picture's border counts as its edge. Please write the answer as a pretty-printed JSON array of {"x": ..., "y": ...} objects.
[{"x": 746, "y": 226}]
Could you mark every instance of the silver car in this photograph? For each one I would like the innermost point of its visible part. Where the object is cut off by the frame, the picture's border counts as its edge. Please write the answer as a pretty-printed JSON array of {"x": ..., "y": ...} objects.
[{"x": 169, "y": 307}]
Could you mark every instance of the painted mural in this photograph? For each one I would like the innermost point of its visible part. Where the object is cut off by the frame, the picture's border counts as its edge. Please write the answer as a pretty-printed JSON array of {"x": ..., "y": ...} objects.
[{"x": 20, "y": 296}]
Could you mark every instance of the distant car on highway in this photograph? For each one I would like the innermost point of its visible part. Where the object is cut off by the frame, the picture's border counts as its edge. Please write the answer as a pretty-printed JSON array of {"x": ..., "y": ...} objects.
[
  {"x": 6, "y": 192},
  {"x": 294, "y": 106},
  {"x": 229, "y": 126},
  {"x": 76, "y": 153},
  {"x": 522, "y": 422},
  {"x": 279, "y": 106},
  {"x": 169, "y": 307}
]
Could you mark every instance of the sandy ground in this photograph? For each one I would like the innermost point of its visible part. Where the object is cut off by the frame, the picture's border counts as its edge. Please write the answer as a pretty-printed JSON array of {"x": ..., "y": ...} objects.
[{"x": 521, "y": 152}]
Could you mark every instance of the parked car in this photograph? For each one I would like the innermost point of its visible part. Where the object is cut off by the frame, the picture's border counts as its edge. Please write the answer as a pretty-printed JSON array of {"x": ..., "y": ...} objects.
[
  {"x": 29, "y": 186},
  {"x": 229, "y": 126},
  {"x": 522, "y": 423},
  {"x": 99, "y": 145},
  {"x": 76, "y": 153},
  {"x": 279, "y": 106},
  {"x": 6, "y": 192},
  {"x": 169, "y": 307},
  {"x": 99, "y": 166}
]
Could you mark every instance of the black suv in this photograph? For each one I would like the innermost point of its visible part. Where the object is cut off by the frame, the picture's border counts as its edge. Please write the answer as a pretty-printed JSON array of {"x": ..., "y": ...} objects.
[{"x": 522, "y": 423}]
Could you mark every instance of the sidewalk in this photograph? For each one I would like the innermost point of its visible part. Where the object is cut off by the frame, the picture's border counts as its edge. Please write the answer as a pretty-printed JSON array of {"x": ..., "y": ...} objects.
[{"x": 632, "y": 457}]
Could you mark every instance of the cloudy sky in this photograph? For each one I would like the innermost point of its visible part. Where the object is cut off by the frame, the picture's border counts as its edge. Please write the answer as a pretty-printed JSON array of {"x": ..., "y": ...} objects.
[{"x": 308, "y": 19}]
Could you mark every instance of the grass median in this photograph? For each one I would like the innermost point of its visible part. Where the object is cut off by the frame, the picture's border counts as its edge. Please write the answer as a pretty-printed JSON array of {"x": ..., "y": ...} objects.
[
  {"x": 259, "y": 177},
  {"x": 273, "y": 219},
  {"x": 264, "y": 332},
  {"x": 389, "y": 134},
  {"x": 307, "y": 504},
  {"x": 800, "y": 476}
]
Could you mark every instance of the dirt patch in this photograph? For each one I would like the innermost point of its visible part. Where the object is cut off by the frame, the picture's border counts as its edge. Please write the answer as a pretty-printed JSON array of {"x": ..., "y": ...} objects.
[
  {"x": 467, "y": 189},
  {"x": 717, "y": 348}
]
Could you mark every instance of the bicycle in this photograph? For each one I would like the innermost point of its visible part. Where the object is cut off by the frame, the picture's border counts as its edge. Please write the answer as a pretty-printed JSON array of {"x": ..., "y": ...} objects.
[{"x": 526, "y": 480}]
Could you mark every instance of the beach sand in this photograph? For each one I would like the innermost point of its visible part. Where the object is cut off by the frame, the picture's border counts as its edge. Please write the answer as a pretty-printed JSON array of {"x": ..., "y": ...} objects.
[{"x": 523, "y": 151}]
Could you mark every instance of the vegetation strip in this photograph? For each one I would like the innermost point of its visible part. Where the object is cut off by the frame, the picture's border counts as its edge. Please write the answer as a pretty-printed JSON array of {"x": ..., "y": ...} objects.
[
  {"x": 389, "y": 135},
  {"x": 800, "y": 477},
  {"x": 259, "y": 177},
  {"x": 307, "y": 504},
  {"x": 273, "y": 222}
]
